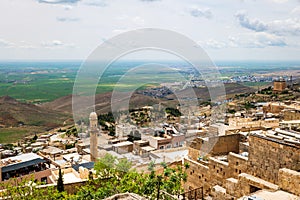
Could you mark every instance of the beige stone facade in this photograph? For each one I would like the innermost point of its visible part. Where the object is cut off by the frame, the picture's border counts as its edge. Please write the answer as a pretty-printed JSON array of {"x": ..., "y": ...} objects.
[
  {"x": 239, "y": 123},
  {"x": 271, "y": 165},
  {"x": 267, "y": 156},
  {"x": 279, "y": 86}
]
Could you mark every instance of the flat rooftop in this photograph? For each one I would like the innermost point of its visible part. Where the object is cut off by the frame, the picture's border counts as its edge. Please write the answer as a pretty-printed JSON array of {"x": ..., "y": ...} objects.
[
  {"x": 71, "y": 178},
  {"x": 21, "y": 158},
  {"x": 172, "y": 154},
  {"x": 278, "y": 195},
  {"x": 21, "y": 161},
  {"x": 126, "y": 143}
]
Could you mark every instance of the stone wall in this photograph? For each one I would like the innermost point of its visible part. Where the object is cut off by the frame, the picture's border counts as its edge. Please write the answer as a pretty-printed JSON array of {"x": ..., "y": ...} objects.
[
  {"x": 238, "y": 175},
  {"x": 291, "y": 115},
  {"x": 246, "y": 184},
  {"x": 194, "y": 154},
  {"x": 241, "y": 123},
  {"x": 273, "y": 108},
  {"x": 216, "y": 145},
  {"x": 289, "y": 180},
  {"x": 38, "y": 176},
  {"x": 198, "y": 176},
  {"x": 267, "y": 156},
  {"x": 279, "y": 86},
  {"x": 219, "y": 171},
  {"x": 237, "y": 164}
]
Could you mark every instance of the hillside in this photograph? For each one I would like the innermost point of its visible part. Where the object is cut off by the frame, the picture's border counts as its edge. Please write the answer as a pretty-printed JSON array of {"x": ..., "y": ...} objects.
[
  {"x": 18, "y": 119},
  {"x": 203, "y": 93},
  {"x": 15, "y": 113},
  {"x": 103, "y": 102}
]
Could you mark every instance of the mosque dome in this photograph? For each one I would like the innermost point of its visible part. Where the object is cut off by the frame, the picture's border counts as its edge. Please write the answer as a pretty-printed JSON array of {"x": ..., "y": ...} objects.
[{"x": 93, "y": 116}]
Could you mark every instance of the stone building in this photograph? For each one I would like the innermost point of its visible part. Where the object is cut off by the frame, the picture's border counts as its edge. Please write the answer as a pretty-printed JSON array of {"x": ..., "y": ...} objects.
[
  {"x": 239, "y": 123},
  {"x": 272, "y": 163},
  {"x": 24, "y": 166},
  {"x": 291, "y": 114},
  {"x": 279, "y": 86}
]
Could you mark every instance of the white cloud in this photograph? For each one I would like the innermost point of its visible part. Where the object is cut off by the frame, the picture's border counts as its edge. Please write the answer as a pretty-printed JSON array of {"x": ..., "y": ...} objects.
[
  {"x": 59, "y": 1},
  {"x": 138, "y": 20},
  {"x": 252, "y": 24},
  {"x": 5, "y": 43},
  {"x": 201, "y": 12},
  {"x": 25, "y": 45},
  {"x": 85, "y": 22},
  {"x": 256, "y": 40},
  {"x": 56, "y": 44},
  {"x": 290, "y": 26},
  {"x": 213, "y": 44},
  {"x": 280, "y": 1},
  {"x": 296, "y": 11},
  {"x": 149, "y": 0},
  {"x": 67, "y": 19},
  {"x": 119, "y": 31},
  {"x": 99, "y": 3}
]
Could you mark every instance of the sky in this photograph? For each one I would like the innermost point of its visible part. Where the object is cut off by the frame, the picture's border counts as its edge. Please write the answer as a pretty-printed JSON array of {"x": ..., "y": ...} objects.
[{"x": 225, "y": 29}]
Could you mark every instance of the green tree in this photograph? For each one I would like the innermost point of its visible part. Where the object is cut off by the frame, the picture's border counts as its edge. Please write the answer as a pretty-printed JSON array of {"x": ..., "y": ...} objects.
[
  {"x": 105, "y": 166},
  {"x": 119, "y": 179},
  {"x": 28, "y": 189},
  {"x": 60, "y": 182},
  {"x": 123, "y": 165}
]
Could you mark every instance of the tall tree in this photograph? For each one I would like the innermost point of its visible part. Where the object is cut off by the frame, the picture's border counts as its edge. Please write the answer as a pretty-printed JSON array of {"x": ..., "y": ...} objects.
[{"x": 60, "y": 182}]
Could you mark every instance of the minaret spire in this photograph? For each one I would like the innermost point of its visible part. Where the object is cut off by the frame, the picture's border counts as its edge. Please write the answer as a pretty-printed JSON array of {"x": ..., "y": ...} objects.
[{"x": 93, "y": 136}]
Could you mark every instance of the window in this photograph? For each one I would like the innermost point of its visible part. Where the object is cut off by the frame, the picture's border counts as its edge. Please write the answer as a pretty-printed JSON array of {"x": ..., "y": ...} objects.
[
  {"x": 161, "y": 147},
  {"x": 237, "y": 163}
]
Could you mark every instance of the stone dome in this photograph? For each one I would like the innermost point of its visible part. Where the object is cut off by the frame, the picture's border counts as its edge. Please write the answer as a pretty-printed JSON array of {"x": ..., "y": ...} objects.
[{"x": 93, "y": 116}]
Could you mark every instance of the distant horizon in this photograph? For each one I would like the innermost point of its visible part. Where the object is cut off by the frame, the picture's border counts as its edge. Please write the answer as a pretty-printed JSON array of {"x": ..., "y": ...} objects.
[{"x": 140, "y": 60}]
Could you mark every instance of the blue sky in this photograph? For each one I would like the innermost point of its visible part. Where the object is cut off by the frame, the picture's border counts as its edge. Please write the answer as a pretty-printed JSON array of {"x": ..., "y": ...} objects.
[{"x": 226, "y": 29}]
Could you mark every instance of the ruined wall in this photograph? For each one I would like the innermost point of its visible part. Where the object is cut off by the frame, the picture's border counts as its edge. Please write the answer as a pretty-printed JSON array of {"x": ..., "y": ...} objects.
[
  {"x": 198, "y": 176},
  {"x": 242, "y": 123},
  {"x": 273, "y": 108},
  {"x": 226, "y": 144},
  {"x": 267, "y": 156},
  {"x": 219, "y": 171},
  {"x": 289, "y": 180},
  {"x": 237, "y": 164},
  {"x": 216, "y": 145},
  {"x": 194, "y": 154},
  {"x": 291, "y": 115}
]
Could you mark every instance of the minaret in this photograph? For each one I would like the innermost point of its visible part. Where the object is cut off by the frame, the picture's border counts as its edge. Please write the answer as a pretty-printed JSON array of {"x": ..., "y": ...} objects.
[{"x": 93, "y": 136}]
